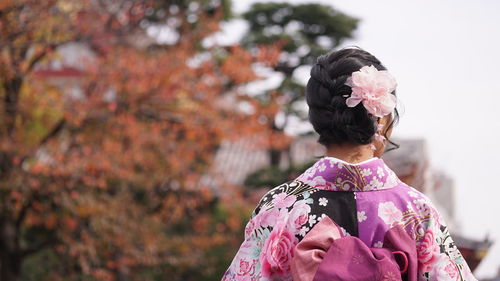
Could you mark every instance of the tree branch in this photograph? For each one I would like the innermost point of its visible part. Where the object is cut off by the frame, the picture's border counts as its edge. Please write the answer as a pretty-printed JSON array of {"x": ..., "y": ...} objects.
[
  {"x": 37, "y": 247},
  {"x": 11, "y": 98},
  {"x": 54, "y": 132},
  {"x": 285, "y": 69},
  {"x": 23, "y": 212},
  {"x": 39, "y": 57}
]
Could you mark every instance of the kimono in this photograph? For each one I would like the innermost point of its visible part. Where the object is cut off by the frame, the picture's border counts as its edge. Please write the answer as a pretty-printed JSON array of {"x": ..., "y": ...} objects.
[{"x": 365, "y": 200}]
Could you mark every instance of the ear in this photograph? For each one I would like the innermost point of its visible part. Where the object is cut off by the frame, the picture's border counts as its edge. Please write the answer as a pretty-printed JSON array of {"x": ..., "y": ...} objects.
[{"x": 384, "y": 123}]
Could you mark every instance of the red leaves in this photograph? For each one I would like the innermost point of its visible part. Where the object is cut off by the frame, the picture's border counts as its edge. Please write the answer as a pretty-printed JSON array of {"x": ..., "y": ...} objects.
[
  {"x": 237, "y": 66},
  {"x": 269, "y": 55},
  {"x": 112, "y": 160}
]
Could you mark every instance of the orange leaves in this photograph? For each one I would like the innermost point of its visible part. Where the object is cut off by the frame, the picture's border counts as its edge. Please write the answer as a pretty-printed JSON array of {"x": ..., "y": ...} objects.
[
  {"x": 238, "y": 66},
  {"x": 37, "y": 115},
  {"x": 87, "y": 210},
  {"x": 114, "y": 157},
  {"x": 6, "y": 4},
  {"x": 269, "y": 54},
  {"x": 70, "y": 223},
  {"x": 50, "y": 221},
  {"x": 201, "y": 224},
  {"x": 103, "y": 274}
]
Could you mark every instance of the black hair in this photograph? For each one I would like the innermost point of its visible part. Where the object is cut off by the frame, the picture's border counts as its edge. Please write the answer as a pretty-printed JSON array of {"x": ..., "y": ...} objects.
[{"x": 326, "y": 95}]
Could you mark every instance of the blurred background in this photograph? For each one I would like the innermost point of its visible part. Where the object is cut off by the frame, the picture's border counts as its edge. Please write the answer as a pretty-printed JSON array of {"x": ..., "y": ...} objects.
[{"x": 137, "y": 136}]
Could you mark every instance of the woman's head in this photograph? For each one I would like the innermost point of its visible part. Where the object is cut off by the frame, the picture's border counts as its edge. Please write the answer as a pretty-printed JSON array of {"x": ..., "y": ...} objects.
[{"x": 326, "y": 94}]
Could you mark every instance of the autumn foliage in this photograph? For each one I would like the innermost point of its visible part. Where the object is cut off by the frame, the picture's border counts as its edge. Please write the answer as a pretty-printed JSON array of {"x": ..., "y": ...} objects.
[{"x": 107, "y": 183}]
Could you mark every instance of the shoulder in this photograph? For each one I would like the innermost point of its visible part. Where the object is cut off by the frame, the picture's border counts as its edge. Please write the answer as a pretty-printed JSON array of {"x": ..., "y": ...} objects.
[
  {"x": 285, "y": 206},
  {"x": 420, "y": 214},
  {"x": 438, "y": 256},
  {"x": 421, "y": 204},
  {"x": 415, "y": 199},
  {"x": 282, "y": 194}
]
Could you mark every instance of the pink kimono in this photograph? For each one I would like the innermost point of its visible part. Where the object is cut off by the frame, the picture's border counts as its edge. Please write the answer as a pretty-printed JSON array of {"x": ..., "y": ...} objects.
[{"x": 365, "y": 201}]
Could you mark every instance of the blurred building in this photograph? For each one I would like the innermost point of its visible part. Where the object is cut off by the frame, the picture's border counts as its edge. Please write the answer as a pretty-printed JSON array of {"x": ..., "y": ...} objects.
[
  {"x": 411, "y": 163},
  {"x": 236, "y": 160},
  {"x": 67, "y": 69}
]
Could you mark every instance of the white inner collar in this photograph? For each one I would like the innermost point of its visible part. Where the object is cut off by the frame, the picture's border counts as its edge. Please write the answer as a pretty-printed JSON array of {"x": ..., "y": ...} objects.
[{"x": 347, "y": 163}]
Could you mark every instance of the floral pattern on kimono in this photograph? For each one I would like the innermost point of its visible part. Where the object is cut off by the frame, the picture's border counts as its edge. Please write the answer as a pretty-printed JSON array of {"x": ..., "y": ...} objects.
[{"x": 365, "y": 200}]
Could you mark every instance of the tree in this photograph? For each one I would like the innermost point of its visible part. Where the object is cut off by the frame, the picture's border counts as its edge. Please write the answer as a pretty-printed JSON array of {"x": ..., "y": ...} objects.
[
  {"x": 107, "y": 184},
  {"x": 304, "y": 31}
]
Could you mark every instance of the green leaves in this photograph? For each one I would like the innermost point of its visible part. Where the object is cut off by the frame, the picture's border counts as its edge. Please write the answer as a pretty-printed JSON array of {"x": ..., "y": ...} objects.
[{"x": 298, "y": 26}]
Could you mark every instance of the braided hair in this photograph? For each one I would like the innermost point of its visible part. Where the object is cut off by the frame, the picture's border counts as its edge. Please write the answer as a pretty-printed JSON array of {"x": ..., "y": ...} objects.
[{"x": 326, "y": 95}]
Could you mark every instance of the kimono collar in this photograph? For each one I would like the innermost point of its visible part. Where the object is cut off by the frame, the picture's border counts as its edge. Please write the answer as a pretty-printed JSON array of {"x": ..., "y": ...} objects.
[{"x": 330, "y": 173}]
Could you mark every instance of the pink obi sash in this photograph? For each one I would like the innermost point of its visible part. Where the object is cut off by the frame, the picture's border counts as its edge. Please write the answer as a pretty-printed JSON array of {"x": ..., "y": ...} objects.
[{"x": 326, "y": 254}]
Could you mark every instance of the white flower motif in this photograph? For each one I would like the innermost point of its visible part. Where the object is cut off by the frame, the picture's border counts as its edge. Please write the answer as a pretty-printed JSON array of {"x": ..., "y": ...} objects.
[
  {"x": 392, "y": 180},
  {"x": 380, "y": 172},
  {"x": 323, "y": 216},
  {"x": 344, "y": 231},
  {"x": 361, "y": 216},
  {"x": 389, "y": 213},
  {"x": 421, "y": 207},
  {"x": 375, "y": 183},
  {"x": 340, "y": 165},
  {"x": 322, "y": 167},
  {"x": 413, "y": 194},
  {"x": 312, "y": 220},
  {"x": 409, "y": 207},
  {"x": 323, "y": 201},
  {"x": 378, "y": 244},
  {"x": 303, "y": 231},
  {"x": 366, "y": 172},
  {"x": 309, "y": 173},
  {"x": 320, "y": 182},
  {"x": 368, "y": 187}
]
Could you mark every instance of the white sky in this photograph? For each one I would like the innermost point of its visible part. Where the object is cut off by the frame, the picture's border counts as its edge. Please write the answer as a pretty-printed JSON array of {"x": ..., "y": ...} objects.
[{"x": 446, "y": 57}]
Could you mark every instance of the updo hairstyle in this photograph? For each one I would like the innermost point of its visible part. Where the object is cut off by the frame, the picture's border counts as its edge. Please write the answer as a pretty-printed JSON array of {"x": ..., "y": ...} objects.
[{"x": 326, "y": 95}]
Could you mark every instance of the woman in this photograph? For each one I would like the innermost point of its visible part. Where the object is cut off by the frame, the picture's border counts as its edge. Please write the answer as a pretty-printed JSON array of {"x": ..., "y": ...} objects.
[{"x": 348, "y": 217}]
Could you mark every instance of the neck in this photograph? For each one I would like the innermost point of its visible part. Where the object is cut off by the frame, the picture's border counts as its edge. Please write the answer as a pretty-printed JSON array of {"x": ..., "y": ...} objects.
[{"x": 350, "y": 153}]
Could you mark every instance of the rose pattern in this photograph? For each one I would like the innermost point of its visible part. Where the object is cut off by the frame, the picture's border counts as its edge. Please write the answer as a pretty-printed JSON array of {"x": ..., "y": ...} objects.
[
  {"x": 427, "y": 251},
  {"x": 283, "y": 200},
  {"x": 249, "y": 228},
  {"x": 288, "y": 212},
  {"x": 299, "y": 215},
  {"x": 277, "y": 252},
  {"x": 445, "y": 270},
  {"x": 451, "y": 270}
]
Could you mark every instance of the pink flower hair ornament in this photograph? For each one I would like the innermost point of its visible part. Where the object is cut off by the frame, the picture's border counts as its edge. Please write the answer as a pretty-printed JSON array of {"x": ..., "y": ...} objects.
[{"x": 373, "y": 88}]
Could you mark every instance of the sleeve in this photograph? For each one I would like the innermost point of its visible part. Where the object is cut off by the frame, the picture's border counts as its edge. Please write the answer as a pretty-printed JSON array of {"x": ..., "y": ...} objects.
[
  {"x": 270, "y": 238},
  {"x": 245, "y": 263},
  {"x": 438, "y": 256}
]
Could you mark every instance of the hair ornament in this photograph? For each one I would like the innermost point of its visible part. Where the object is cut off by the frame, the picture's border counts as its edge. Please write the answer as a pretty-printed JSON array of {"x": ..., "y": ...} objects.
[{"x": 372, "y": 88}]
